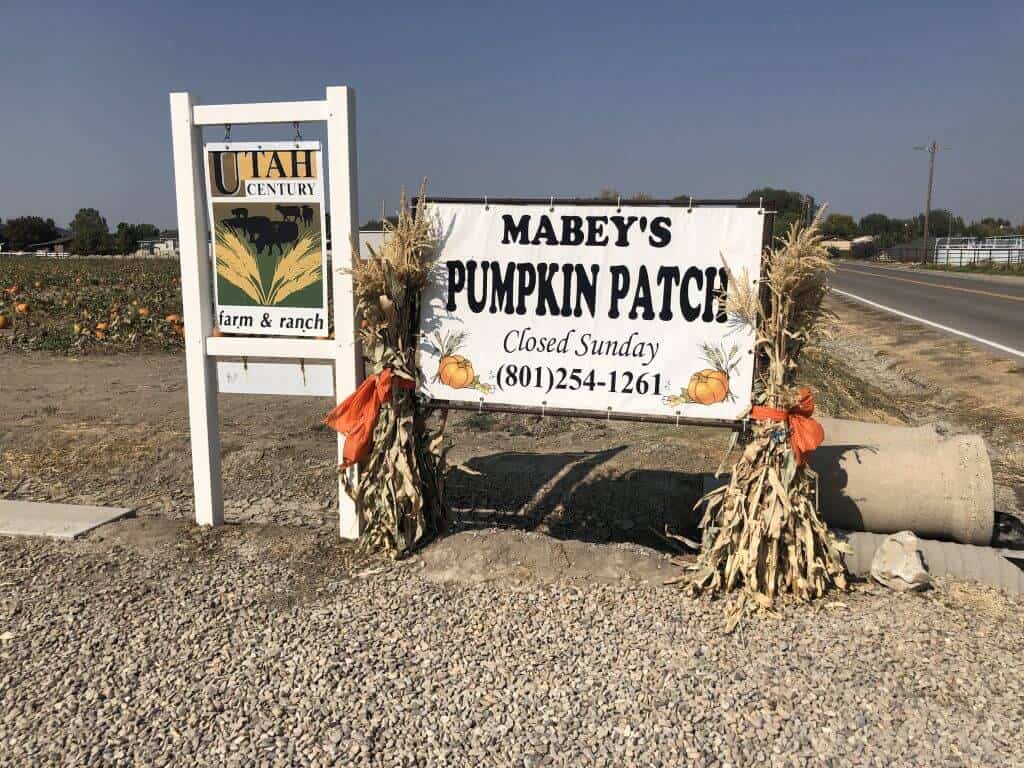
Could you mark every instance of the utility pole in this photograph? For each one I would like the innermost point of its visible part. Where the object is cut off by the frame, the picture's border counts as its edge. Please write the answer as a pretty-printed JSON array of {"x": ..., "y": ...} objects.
[{"x": 933, "y": 149}]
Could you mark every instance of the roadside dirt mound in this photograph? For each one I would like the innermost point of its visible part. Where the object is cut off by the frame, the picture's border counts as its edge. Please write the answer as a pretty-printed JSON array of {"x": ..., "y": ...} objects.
[{"x": 474, "y": 557}]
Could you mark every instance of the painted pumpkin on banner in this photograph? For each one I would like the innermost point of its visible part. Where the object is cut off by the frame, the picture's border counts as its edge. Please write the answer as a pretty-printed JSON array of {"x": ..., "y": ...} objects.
[
  {"x": 456, "y": 371},
  {"x": 708, "y": 386}
]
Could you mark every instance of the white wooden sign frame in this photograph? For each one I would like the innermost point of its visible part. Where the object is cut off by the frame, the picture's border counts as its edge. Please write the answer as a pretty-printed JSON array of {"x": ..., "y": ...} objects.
[{"x": 202, "y": 349}]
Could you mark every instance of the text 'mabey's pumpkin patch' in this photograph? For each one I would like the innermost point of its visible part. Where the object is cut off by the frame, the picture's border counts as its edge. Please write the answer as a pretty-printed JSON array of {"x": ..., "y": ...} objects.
[{"x": 591, "y": 307}]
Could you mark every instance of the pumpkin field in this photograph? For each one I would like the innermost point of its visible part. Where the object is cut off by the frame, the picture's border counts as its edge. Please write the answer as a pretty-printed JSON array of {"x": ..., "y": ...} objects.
[{"x": 90, "y": 305}]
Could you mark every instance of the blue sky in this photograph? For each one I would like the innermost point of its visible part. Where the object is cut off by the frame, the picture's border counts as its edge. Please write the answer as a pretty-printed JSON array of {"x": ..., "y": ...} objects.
[{"x": 531, "y": 99}]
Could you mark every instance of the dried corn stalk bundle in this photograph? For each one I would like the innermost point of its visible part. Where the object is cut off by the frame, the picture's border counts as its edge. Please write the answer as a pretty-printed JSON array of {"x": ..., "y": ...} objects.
[
  {"x": 399, "y": 492},
  {"x": 762, "y": 533}
]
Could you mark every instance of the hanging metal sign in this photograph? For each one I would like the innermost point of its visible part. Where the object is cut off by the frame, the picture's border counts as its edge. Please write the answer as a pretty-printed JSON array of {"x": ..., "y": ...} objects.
[
  {"x": 267, "y": 229},
  {"x": 591, "y": 308}
]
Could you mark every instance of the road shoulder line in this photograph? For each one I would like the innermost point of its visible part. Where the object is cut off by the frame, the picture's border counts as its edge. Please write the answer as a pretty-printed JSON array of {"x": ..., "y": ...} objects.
[{"x": 946, "y": 328}]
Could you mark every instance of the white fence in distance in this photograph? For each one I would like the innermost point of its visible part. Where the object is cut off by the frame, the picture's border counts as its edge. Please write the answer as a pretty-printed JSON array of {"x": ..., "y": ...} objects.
[{"x": 963, "y": 251}]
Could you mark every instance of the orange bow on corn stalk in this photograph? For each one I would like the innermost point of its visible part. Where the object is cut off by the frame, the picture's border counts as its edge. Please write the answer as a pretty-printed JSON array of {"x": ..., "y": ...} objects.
[
  {"x": 805, "y": 434},
  {"x": 356, "y": 416}
]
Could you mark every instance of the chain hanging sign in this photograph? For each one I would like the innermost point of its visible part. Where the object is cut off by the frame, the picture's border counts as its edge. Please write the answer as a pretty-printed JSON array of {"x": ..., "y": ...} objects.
[
  {"x": 591, "y": 308},
  {"x": 267, "y": 229}
]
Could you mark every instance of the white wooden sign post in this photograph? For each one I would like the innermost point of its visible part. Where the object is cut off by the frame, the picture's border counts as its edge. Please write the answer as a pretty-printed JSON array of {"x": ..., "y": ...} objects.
[{"x": 202, "y": 349}]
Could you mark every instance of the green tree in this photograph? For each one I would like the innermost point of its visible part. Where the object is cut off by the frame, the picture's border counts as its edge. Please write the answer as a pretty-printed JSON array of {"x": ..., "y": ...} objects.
[
  {"x": 89, "y": 232},
  {"x": 783, "y": 221},
  {"x": 24, "y": 231},
  {"x": 839, "y": 225},
  {"x": 147, "y": 232},
  {"x": 875, "y": 224},
  {"x": 989, "y": 227},
  {"x": 126, "y": 239},
  {"x": 785, "y": 201},
  {"x": 789, "y": 206}
]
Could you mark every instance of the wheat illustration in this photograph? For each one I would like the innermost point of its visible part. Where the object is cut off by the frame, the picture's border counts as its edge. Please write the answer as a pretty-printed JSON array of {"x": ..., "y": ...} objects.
[
  {"x": 297, "y": 269},
  {"x": 237, "y": 264}
]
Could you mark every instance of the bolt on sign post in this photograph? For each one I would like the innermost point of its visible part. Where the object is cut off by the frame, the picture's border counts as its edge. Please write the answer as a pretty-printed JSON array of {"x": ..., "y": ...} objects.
[
  {"x": 261, "y": 207},
  {"x": 591, "y": 308}
]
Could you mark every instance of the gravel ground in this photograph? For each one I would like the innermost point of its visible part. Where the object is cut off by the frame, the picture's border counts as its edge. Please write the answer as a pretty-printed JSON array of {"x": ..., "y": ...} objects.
[{"x": 156, "y": 643}]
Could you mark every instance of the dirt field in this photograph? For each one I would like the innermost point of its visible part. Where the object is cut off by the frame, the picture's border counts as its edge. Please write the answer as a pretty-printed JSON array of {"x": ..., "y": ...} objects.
[
  {"x": 114, "y": 430},
  {"x": 269, "y": 641}
]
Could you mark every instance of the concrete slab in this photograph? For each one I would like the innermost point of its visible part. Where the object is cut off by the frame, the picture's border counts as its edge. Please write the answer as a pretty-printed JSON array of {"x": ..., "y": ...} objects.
[{"x": 57, "y": 521}]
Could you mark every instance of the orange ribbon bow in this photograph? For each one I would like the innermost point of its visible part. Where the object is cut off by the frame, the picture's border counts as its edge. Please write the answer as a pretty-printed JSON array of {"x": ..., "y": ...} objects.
[
  {"x": 805, "y": 434},
  {"x": 356, "y": 415}
]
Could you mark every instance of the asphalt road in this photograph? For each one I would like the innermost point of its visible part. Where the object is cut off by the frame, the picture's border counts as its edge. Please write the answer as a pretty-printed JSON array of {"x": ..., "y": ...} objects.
[{"x": 984, "y": 311}]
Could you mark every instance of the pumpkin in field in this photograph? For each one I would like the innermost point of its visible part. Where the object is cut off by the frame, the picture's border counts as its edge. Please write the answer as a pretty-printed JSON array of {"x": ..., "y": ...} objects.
[
  {"x": 102, "y": 326},
  {"x": 4, "y": 322},
  {"x": 143, "y": 312},
  {"x": 173, "y": 319},
  {"x": 21, "y": 309},
  {"x": 100, "y": 335},
  {"x": 456, "y": 371},
  {"x": 708, "y": 386},
  {"x": 37, "y": 285}
]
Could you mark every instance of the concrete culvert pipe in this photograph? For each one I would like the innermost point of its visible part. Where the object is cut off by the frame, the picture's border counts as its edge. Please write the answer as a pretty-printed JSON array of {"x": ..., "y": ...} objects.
[{"x": 884, "y": 479}]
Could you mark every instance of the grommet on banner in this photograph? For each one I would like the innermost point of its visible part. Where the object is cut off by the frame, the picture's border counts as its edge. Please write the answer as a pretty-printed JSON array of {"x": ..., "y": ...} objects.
[
  {"x": 486, "y": 206},
  {"x": 481, "y": 408},
  {"x": 677, "y": 418},
  {"x": 618, "y": 204},
  {"x": 690, "y": 209},
  {"x": 609, "y": 418},
  {"x": 298, "y": 136},
  {"x": 543, "y": 408},
  {"x": 552, "y": 209},
  {"x": 227, "y": 132},
  {"x": 760, "y": 206}
]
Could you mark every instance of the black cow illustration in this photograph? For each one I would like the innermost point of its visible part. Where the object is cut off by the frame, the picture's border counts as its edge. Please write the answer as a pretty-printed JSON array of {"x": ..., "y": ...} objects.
[
  {"x": 307, "y": 214},
  {"x": 289, "y": 212},
  {"x": 277, "y": 235},
  {"x": 252, "y": 226},
  {"x": 240, "y": 213}
]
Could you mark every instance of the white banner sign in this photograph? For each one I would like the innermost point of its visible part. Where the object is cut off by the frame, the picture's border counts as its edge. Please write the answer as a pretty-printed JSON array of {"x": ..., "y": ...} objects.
[
  {"x": 593, "y": 308},
  {"x": 267, "y": 228}
]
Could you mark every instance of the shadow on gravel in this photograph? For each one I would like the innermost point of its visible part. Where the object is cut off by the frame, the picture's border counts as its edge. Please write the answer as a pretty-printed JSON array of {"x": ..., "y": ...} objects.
[{"x": 574, "y": 496}]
